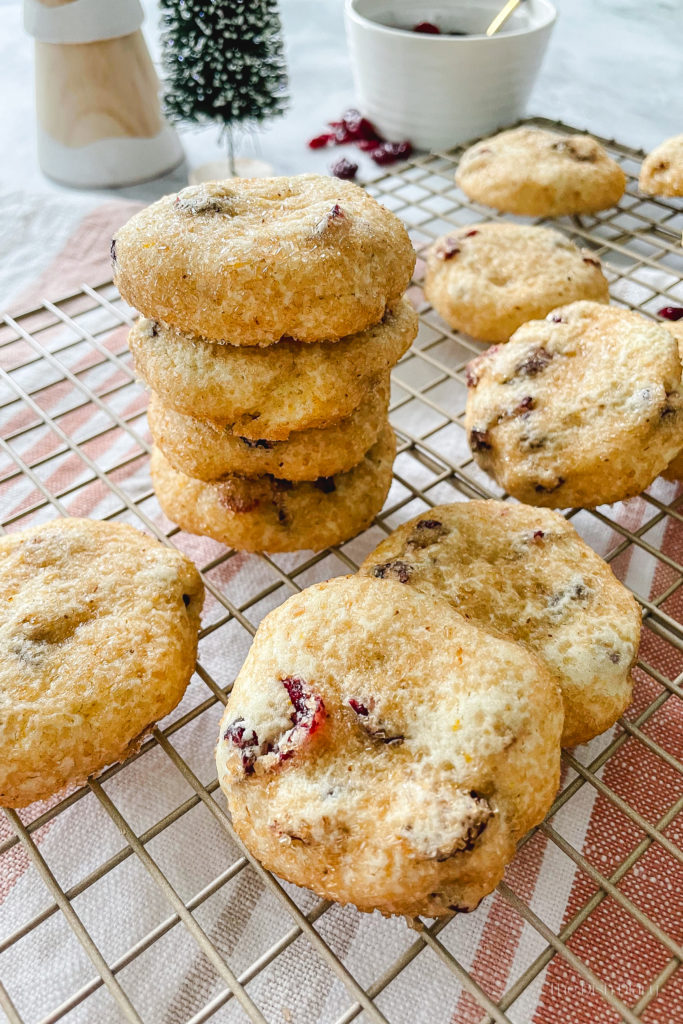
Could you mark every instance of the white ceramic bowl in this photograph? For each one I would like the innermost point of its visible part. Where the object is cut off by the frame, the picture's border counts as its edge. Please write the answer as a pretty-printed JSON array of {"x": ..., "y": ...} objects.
[{"x": 438, "y": 90}]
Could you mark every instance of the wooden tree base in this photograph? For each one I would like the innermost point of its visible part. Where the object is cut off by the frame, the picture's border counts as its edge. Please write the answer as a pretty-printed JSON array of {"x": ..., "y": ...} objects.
[{"x": 219, "y": 170}]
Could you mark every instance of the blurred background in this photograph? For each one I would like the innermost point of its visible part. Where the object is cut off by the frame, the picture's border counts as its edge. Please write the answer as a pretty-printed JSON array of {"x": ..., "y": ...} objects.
[{"x": 613, "y": 67}]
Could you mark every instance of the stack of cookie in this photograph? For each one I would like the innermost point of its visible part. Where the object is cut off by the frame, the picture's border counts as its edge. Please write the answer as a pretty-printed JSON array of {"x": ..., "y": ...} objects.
[{"x": 273, "y": 315}]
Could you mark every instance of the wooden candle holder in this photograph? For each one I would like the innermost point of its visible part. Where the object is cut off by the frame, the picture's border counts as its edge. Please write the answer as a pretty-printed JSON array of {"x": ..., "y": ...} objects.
[{"x": 99, "y": 118}]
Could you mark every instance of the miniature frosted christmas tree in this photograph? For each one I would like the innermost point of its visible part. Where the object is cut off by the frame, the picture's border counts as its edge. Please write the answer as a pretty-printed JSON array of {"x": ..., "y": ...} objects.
[{"x": 224, "y": 64}]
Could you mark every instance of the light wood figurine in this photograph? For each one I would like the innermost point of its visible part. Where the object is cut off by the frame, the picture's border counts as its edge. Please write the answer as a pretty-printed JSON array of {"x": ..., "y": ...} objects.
[{"x": 97, "y": 94}]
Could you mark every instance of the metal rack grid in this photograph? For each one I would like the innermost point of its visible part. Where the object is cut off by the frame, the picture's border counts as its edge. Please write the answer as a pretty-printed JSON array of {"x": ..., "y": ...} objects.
[{"x": 75, "y": 442}]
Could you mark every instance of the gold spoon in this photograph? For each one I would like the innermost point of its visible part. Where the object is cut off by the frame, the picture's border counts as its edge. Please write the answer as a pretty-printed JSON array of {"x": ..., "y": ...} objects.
[{"x": 502, "y": 16}]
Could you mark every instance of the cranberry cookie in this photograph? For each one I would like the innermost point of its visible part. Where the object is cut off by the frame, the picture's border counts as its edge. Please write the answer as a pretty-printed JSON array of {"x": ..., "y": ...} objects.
[
  {"x": 674, "y": 471},
  {"x": 98, "y": 638},
  {"x": 582, "y": 408},
  {"x": 488, "y": 279},
  {"x": 381, "y": 750},
  {"x": 252, "y": 260},
  {"x": 537, "y": 173},
  {"x": 267, "y": 514},
  {"x": 207, "y": 451},
  {"x": 526, "y": 573},
  {"x": 661, "y": 173},
  {"x": 269, "y": 393}
]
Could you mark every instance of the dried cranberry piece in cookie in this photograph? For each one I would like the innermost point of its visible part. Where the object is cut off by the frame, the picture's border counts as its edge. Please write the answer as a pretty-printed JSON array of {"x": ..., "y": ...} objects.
[
  {"x": 307, "y": 717},
  {"x": 473, "y": 368},
  {"x": 426, "y": 532},
  {"x": 246, "y": 741},
  {"x": 268, "y": 751},
  {"x": 372, "y": 721},
  {"x": 534, "y": 363},
  {"x": 479, "y": 440},
  {"x": 396, "y": 570}
]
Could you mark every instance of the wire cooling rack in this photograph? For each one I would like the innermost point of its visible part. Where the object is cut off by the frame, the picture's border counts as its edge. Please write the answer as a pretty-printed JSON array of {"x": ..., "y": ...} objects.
[{"x": 137, "y": 882}]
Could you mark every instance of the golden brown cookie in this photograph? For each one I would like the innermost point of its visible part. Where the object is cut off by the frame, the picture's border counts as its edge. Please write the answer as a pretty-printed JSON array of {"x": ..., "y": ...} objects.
[
  {"x": 661, "y": 173},
  {"x": 674, "y": 471},
  {"x": 98, "y": 638},
  {"x": 582, "y": 408},
  {"x": 267, "y": 514},
  {"x": 526, "y": 573},
  {"x": 252, "y": 260},
  {"x": 488, "y": 279},
  {"x": 207, "y": 451},
  {"x": 383, "y": 751},
  {"x": 268, "y": 393},
  {"x": 537, "y": 173}
]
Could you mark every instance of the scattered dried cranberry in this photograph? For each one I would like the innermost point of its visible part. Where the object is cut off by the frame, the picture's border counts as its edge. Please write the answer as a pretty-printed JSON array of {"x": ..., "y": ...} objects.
[
  {"x": 367, "y": 145},
  {"x": 358, "y": 707},
  {"x": 615, "y": 657},
  {"x": 388, "y": 152},
  {"x": 557, "y": 320},
  {"x": 671, "y": 312},
  {"x": 538, "y": 535},
  {"x": 469, "y": 234},
  {"x": 593, "y": 262},
  {"x": 356, "y": 129},
  {"x": 320, "y": 141},
  {"x": 353, "y": 127},
  {"x": 344, "y": 169},
  {"x": 427, "y": 27}
]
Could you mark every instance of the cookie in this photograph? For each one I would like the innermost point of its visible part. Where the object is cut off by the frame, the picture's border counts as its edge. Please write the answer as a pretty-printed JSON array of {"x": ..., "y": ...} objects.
[
  {"x": 661, "y": 173},
  {"x": 537, "y": 173},
  {"x": 267, "y": 514},
  {"x": 206, "y": 451},
  {"x": 383, "y": 751},
  {"x": 526, "y": 573},
  {"x": 265, "y": 394},
  {"x": 488, "y": 279},
  {"x": 252, "y": 260},
  {"x": 98, "y": 635},
  {"x": 674, "y": 471},
  {"x": 580, "y": 409}
]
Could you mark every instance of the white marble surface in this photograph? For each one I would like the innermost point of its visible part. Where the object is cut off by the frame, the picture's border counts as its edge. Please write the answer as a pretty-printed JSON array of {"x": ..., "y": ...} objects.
[{"x": 613, "y": 66}]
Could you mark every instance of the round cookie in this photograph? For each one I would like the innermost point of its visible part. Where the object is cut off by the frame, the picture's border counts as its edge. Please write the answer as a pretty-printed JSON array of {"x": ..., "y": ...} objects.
[
  {"x": 206, "y": 451},
  {"x": 526, "y": 573},
  {"x": 582, "y": 408},
  {"x": 252, "y": 260},
  {"x": 661, "y": 173},
  {"x": 383, "y": 751},
  {"x": 269, "y": 393},
  {"x": 674, "y": 471},
  {"x": 537, "y": 173},
  {"x": 267, "y": 514},
  {"x": 98, "y": 638},
  {"x": 488, "y": 279}
]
